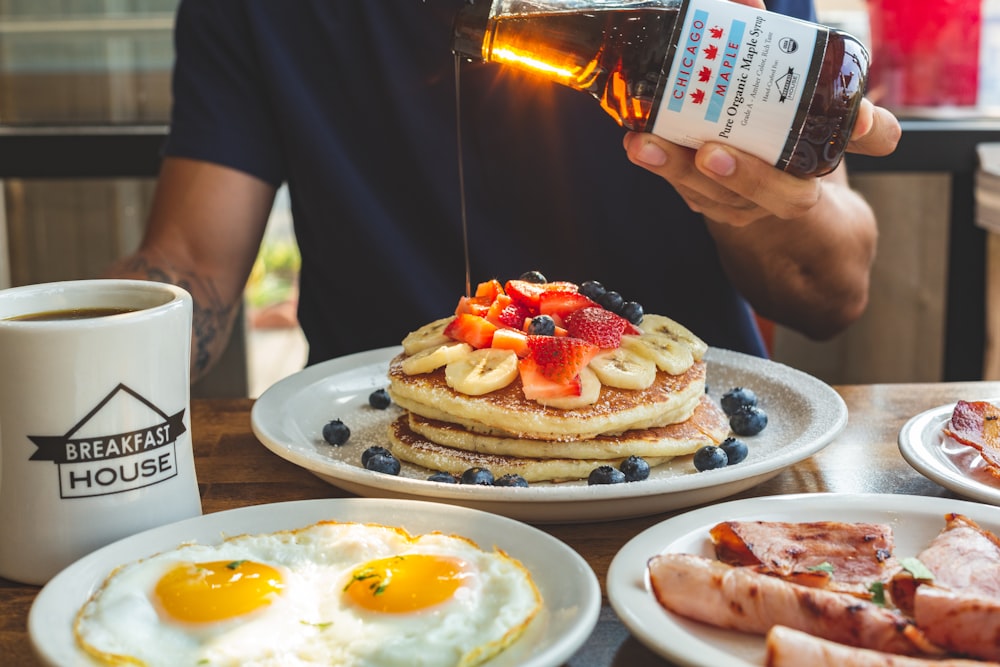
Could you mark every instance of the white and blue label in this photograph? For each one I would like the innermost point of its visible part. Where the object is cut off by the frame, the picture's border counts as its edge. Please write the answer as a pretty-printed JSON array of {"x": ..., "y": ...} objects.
[{"x": 736, "y": 77}]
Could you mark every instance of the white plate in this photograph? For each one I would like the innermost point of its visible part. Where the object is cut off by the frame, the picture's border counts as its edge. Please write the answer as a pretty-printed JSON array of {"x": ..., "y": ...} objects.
[
  {"x": 915, "y": 520},
  {"x": 804, "y": 415},
  {"x": 569, "y": 587},
  {"x": 954, "y": 466}
]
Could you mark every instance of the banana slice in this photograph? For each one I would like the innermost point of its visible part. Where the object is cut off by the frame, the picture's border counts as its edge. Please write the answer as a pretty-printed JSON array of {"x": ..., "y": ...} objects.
[
  {"x": 669, "y": 354},
  {"x": 623, "y": 369},
  {"x": 664, "y": 326},
  {"x": 482, "y": 371},
  {"x": 427, "y": 336},
  {"x": 590, "y": 391},
  {"x": 432, "y": 358}
]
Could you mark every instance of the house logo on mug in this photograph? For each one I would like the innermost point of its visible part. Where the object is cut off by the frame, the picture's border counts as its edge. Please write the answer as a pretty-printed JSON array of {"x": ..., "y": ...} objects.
[{"x": 140, "y": 452}]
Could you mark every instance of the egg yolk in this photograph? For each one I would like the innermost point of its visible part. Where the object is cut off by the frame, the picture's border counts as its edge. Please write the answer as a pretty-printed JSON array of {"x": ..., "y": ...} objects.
[
  {"x": 401, "y": 584},
  {"x": 218, "y": 590}
]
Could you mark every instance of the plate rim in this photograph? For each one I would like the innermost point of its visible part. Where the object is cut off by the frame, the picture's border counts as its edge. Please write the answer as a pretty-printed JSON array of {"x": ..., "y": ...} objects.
[
  {"x": 55, "y": 645},
  {"x": 920, "y": 456},
  {"x": 635, "y": 609},
  {"x": 518, "y": 503}
]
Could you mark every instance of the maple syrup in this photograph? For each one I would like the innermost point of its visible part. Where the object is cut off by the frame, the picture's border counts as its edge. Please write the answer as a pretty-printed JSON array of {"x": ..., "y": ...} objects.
[{"x": 690, "y": 71}]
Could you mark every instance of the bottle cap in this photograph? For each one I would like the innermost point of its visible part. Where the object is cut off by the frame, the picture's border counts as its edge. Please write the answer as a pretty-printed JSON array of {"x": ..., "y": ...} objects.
[{"x": 469, "y": 30}]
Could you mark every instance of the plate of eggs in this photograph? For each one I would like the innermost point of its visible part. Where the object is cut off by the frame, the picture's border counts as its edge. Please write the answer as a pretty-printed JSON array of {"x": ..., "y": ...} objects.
[{"x": 355, "y": 581}]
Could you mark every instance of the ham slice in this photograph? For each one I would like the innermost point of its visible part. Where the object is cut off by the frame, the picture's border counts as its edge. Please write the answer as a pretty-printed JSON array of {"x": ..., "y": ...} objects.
[
  {"x": 846, "y": 557},
  {"x": 966, "y": 625},
  {"x": 740, "y": 598},
  {"x": 977, "y": 424},
  {"x": 791, "y": 648},
  {"x": 962, "y": 557}
]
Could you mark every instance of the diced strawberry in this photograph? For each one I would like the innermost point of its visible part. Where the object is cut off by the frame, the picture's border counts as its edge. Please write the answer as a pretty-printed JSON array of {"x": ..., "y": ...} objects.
[
  {"x": 475, "y": 305},
  {"x": 506, "y": 312},
  {"x": 598, "y": 326},
  {"x": 560, "y": 358},
  {"x": 527, "y": 293},
  {"x": 510, "y": 339},
  {"x": 536, "y": 384},
  {"x": 561, "y": 304},
  {"x": 489, "y": 289},
  {"x": 472, "y": 329}
]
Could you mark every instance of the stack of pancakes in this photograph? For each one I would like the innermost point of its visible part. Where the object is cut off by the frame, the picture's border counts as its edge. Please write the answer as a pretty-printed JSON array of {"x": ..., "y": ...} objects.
[{"x": 506, "y": 433}]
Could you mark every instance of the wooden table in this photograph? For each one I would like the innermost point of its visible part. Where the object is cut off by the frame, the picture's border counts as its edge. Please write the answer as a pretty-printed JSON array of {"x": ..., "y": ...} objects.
[{"x": 235, "y": 470}]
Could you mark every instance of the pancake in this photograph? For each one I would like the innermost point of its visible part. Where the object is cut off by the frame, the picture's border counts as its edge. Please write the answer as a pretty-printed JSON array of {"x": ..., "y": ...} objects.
[
  {"x": 413, "y": 448},
  {"x": 506, "y": 412},
  {"x": 707, "y": 426}
]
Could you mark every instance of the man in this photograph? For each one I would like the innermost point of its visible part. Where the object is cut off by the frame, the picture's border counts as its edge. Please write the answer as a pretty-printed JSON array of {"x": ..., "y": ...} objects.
[{"x": 353, "y": 105}]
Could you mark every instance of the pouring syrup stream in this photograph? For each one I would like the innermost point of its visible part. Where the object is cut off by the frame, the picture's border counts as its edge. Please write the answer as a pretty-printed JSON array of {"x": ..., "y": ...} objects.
[{"x": 461, "y": 174}]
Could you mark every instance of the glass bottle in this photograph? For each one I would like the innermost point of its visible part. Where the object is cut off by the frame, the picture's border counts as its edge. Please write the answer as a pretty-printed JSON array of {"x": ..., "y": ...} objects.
[{"x": 690, "y": 71}]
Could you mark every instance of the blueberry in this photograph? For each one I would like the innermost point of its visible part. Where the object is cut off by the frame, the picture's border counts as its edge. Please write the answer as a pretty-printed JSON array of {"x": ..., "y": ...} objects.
[
  {"x": 379, "y": 399},
  {"x": 533, "y": 277},
  {"x": 373, "y": 451},
  {"x": 710, "y": 457},
  {"x": 510, "y": 479},
  {"x": 542, "y": 325},
  {"x": 635, "y": 469},
  {"x": 612, "y": 301},
  {"x": 632, "y": 311},
  {"x": 443, "y": 477},
  {"x": 336, "y": 432},
  {"x": 384, "y": 463},
  {"x": 605, "y": 475},
  {"x": 593, "y": 290},
  {"x": 736, "y": 450},
  {"x": 736, "y": 398},
  {"x": 748, "y": 420},
  {"x": 478, "y": 476}
]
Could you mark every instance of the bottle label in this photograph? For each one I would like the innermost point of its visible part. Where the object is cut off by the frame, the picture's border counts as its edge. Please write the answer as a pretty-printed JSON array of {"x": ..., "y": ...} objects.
[{"x": 739, "y": 75}]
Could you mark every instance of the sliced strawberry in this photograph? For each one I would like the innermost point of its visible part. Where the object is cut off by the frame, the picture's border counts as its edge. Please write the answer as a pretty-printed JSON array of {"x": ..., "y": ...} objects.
[
  {"x": 537, "y": 384},
  {"x": 598, "y": 326},
  {"x": 489, "y": 289},
  {"x": 472, "y": 329},
  {"x": 475, "y": 305},
  {"x": 632, "y": 330},
  {"x": 510, "y": 339},
  {"x": 560, "y": 358},
  {"x": 561, "y": 304},
  {"x": 528, "y": 294}
]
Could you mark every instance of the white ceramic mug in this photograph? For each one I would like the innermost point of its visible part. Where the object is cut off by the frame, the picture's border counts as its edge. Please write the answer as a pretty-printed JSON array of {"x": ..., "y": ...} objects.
[{"x": 95, "y": 434}]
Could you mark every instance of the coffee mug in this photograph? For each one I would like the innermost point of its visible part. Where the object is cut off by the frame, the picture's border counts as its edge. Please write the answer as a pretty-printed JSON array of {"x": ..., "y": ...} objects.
[{"x": 95, "y": 434}]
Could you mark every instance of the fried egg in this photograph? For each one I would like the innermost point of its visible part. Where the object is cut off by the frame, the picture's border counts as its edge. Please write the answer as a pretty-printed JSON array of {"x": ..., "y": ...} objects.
[{"x": 328, "y": 594}]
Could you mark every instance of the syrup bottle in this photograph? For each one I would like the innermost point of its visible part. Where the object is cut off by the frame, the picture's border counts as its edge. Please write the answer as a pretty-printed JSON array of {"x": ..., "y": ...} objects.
[{"x": 690, "y": 71}]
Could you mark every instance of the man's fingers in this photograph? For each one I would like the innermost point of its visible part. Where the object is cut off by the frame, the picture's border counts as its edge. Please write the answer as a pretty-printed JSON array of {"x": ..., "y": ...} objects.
[{"x": 876, "y": 131}]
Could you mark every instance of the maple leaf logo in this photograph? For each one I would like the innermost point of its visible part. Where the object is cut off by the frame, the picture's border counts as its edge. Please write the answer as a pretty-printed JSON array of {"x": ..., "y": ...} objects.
[
  {"x": 698, "y": 96},
  {"x": 715, "y": 32},
  {"x": 705, "y": 74},
  {"x": 711, "y": 51}
]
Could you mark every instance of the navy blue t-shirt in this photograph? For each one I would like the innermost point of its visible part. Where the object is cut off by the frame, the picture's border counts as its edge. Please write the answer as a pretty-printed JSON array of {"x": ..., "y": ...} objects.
[{"x": 352, "y": 104}]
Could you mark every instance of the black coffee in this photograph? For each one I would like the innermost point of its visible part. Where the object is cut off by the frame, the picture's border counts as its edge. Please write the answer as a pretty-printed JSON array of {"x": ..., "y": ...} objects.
[{"x": 70, "y": 314}]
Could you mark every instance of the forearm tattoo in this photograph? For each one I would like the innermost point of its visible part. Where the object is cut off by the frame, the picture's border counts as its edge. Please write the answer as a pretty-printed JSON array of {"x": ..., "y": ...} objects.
[{"x": 212, "y": 315}]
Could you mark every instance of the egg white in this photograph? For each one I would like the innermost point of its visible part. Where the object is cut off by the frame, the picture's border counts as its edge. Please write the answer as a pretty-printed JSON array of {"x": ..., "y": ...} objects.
[{"x": 312, "y": 622}]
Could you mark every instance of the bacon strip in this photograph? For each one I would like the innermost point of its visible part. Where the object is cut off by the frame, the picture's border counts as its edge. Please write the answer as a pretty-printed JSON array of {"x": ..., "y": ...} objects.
[
  {"x": 791, "y": 648},
  {"x": 977, "y": 424},
  {"x": 738, "y": 598}
]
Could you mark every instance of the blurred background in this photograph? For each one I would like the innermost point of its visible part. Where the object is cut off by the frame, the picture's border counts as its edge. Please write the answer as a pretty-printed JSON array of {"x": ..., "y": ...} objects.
[{"x": 85, "y": 99}]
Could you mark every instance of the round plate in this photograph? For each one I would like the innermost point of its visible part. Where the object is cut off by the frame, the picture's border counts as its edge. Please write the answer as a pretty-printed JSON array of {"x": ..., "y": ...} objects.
[
  {"x": 570, "y": 591},
  {"x": 934, "y": 455},
  {"x": 915, "y": 520},
  {"x": 804, "y": 415}
]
